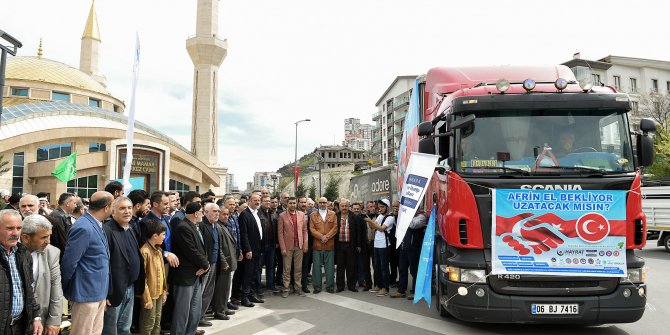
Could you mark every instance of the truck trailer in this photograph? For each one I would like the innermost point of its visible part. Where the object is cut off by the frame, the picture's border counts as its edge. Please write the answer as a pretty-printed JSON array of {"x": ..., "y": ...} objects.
[{"x": 523, "y": 134}]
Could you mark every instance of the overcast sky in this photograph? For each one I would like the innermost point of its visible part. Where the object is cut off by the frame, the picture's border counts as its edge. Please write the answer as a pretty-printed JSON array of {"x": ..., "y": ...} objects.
[{"x": 324, "y": 60}]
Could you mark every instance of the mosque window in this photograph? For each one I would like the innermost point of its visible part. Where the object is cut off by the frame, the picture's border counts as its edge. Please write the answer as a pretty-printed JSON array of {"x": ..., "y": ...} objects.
[
  {"x": 58, "y": 96},
  {"x": 54, "y": 151},
  {"x": 178, "y": 186},
  {"x": 17, "y": 173},
  {"x": 84, "y": 186},
  {"x": 19, "y": 92},
  {"x": 94, "y": 102},
  {"x": 97, "y": 147}
]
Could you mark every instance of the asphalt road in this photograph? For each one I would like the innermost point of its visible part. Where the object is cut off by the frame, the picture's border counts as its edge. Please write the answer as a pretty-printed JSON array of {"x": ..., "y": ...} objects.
[{"x": 364, "y": 313}]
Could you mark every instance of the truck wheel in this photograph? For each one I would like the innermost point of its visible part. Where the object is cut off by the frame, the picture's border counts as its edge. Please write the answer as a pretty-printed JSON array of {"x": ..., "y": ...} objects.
[{"x": 666, "y": 242}]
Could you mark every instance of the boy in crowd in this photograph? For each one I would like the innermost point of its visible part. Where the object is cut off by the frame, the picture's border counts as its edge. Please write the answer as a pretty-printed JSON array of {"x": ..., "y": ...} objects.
[{"x": 155, "y": 286}]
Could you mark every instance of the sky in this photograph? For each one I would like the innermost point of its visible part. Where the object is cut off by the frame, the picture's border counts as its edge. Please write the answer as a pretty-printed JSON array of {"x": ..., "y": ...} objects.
[{"x": 323, "y": 60}]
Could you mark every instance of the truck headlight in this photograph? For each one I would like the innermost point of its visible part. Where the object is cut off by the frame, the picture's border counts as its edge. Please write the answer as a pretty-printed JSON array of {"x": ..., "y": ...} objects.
[
  {"x": 460, "y": 275},
  {"x": 635, "y": 276}
]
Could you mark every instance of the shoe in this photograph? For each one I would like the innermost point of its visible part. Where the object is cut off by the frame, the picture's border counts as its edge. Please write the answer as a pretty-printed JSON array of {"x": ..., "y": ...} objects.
[
  {"x": 410, "y": 296},
  {"x": 339, "y": 290},
  {"x": 330, "y": 290},
  {"x": 229, "y": 313},
  {"x": 247, "y": 303},
  {"x": 382, "y": 293},
  {"x": 353, "y": 289},
  {"x": 233, "y": 306},
  {"x": 302, "y": 294},
  {"x": 398, "y": 295},
  {"x": 256, "y": 300},
  {"x": 204, "y": 323},
  {"x": 284, "y": 294},
  {"x": 275, "y": 290},
  {"x": 218, "y": 316},
  {"x": 199, "y": 332},
  {"x": 306, "y": 290},
  {"x": 235, "y": 301},
  {"x": 316, "y": 291},
  {"x": 374, "y": 290}
]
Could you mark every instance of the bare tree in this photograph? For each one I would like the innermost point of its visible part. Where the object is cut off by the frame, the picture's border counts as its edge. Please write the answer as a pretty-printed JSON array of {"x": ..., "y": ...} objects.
[
  {"x": 4, "y": 165},
  {"x": 656, "y": 106}
]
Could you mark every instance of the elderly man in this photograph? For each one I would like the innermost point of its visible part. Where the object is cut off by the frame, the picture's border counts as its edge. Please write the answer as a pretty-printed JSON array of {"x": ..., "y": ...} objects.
[
  {"x": 46, "y": 271},
  {"x": 224, "y": 278},
  {"x": 19, "y": 313},
  {"x": 4, "y": 199},
  {"x": 347, "y": 246},
  {"x": 29, "y": 204},
  {"x": 212, "y": 236},
  {"x": 125, "y": 266},
  {"x": 85, "y": 267},
  {"x": 323, "y": 228},
  {"x": 61, "y": 215}
]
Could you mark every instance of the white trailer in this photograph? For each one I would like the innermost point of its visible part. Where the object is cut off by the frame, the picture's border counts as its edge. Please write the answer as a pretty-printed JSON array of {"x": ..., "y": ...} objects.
[{"x": 656, "y": 204}]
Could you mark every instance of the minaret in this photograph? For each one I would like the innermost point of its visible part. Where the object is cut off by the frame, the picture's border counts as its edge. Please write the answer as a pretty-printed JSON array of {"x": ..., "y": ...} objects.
[
  {"x": 207, "y": 52},
  {"x": 90, "y": 48}
]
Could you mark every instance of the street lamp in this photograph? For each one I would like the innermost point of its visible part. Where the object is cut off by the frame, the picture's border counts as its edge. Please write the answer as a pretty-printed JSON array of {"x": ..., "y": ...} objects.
[
  {"x": 319, "y": 161},
  {"x": 295, "y": 164},
  {"x": 274, "y": 183},
  {"x": 3, "y": 60}
]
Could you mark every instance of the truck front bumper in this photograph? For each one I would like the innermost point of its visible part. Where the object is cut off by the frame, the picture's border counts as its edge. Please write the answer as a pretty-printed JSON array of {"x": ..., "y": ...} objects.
[{"x": 492, "y": 307}]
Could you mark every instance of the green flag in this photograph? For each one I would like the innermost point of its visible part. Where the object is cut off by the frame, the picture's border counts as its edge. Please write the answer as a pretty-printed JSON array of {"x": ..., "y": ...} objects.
[{"x": 67, "y": 169}]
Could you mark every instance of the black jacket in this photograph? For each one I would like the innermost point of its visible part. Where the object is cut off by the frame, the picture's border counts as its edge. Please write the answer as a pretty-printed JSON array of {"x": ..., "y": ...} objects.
[
  {"x": 31, "y": 309},
  {"x": 119, "y": 262},
  {"x": 207, "y": 230},
  {"x": 61, "y": 225},
  {"x": 355, "y": 240},
  {"x": 250, "y": 236},
  {"x": 269, "y": 227},
  {"x": 189, "y": 248}
]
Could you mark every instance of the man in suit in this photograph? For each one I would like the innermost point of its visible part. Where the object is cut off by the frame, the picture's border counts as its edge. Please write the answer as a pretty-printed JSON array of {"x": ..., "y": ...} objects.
[
  {"x": 85, "y": 266},
  {"x": 46, "y": 271},
  {"x": 251, "y": 236},
  {"x": 186, "y": 279},
  {"x": 125, "y": 268},
  {"x": 323, "y": 227},
  {"x": 347, "y": 246},
  {"x": 19, "y": 313},
  {"x": 66, "y": 204},
  {"x": 225, "y": 276},
  {"x": 211, "y": 234},
  {"x": 292, "y": 238}
]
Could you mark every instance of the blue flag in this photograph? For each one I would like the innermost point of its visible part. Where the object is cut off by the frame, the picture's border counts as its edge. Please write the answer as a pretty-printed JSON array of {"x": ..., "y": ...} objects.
[{"x": 424, "y": 275}]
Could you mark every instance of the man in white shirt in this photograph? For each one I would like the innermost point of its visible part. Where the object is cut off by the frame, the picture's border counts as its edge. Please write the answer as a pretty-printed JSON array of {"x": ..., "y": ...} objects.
[{"x": 382, "y": 226}]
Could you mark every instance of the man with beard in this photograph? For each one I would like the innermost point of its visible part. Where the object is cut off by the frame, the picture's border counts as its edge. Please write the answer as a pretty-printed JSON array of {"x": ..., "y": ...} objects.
[
  {"x": 125, "y": 265},
  {"x": 212, "y": 238},
  {"x": 323, "y": 227},
  {"x": 140, "y": 199},
  {"x": 308, "y": 256}
]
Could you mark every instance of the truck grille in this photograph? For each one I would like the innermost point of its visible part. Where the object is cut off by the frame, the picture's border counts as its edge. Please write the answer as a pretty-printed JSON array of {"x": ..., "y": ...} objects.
[{"x": 529, "y": 285}]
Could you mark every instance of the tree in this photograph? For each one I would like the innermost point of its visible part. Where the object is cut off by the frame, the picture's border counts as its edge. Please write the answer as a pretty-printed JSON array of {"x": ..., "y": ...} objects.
[
  {"x": 657, "y": 107},
  {"x": 312, "y": 191},
  {"x": 4, "y": 165},
  {"x": 300, "y": 192},
  {"x": 332, "y": 191}
]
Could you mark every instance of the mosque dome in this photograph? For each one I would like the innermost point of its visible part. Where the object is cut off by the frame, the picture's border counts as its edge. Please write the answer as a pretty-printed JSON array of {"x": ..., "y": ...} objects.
[{"x": 44, "y": 70}]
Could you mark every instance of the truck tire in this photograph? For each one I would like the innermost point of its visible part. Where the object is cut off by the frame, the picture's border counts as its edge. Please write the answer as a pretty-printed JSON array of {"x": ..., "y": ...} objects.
[{"x": 666, "y": 242}]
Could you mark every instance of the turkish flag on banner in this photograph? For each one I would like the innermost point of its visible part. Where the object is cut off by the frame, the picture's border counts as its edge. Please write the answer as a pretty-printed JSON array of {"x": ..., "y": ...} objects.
[{"x": 296, "y": 171}]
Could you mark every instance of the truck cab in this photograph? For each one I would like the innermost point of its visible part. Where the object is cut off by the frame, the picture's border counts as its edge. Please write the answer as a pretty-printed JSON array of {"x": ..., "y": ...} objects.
[{"x": 533, "y": 128}]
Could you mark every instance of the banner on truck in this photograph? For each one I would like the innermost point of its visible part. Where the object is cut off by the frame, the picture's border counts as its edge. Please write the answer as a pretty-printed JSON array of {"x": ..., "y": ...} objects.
[
  {"x": 559, "y": 232},
  {"x": 417, "y": 177}
]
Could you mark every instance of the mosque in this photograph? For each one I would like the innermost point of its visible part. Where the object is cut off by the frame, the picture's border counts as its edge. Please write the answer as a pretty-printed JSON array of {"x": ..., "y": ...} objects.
[{"x": 51, "y": 109}]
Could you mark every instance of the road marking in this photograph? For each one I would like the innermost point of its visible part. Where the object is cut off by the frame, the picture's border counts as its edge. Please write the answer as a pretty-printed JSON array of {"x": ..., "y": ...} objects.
[
  {"x": 414, "y": 320},
  {"x": 241, "y": 316},
  {"x": 290, "y": 327}
]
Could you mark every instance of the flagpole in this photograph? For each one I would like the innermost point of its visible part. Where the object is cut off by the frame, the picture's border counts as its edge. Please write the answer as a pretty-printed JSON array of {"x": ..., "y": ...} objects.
[{"x": 131, "y": 119}]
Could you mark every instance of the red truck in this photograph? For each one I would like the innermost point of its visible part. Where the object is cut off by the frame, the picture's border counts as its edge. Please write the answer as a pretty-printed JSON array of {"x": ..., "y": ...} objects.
[{"x": 534, "y": 129}]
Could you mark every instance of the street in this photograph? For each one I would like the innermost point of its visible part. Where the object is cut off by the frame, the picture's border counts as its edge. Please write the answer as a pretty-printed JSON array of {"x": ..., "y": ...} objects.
[{"x": 364, "y": 313}]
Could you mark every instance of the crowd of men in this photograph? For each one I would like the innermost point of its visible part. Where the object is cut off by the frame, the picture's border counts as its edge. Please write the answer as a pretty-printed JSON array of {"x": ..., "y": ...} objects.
[{"x": 167, "y": 262}]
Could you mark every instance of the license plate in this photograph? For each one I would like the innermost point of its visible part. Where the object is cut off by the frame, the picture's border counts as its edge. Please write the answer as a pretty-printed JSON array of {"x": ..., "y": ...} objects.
[{"x": 557, "y": 309}]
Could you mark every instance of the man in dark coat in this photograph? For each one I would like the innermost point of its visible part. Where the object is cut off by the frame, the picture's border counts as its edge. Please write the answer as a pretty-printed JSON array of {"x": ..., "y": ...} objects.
[
  {"x": 347, "y": 246},
  {"x": 251, "y": 236}
]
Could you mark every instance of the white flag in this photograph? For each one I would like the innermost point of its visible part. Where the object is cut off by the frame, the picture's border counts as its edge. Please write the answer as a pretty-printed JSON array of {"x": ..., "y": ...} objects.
[
  {"x": 131, "y": 119},
  {"x": 417, "y": 177}
]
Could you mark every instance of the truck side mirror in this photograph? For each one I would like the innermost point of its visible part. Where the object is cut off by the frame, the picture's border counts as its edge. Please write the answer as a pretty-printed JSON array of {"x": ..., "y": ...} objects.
[
  {"x": 425, "y": 128},
  {"x": 647, "y": 125},
  {"x": 427, "y": 145},
  {"x": 645, "y": 149}
]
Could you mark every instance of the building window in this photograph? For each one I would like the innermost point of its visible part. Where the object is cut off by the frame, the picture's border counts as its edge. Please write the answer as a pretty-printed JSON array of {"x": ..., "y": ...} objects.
[
  {"x": 93, "y": 102},
  {"x": 84, "y": 187},
  {"x": 20, "y": 92},
  {"x": 54, "y": 151},
  {"x": 178, "y": 186},
  {"x": 654, "y": 85},
  {"x": 635, "y": 106},
  {"x": 596, "y": 79},
  {"x": 17, "y": 173},
  {"x": 633, "y": 85},
  {"x": 57, "y": 96},
  {"x": 667, "y": 87},
  {"x": 97, "y": 147},
  {"x": 617, "y": 82}
]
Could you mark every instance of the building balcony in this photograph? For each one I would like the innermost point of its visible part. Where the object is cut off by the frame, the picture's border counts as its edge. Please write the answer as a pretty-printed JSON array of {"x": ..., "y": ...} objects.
[
  {"x": 376, "y": 115},
  {"x": 400, "y": 102},
  {"x": 399, "y": 117},
  {"x": 397, "y": 131}
]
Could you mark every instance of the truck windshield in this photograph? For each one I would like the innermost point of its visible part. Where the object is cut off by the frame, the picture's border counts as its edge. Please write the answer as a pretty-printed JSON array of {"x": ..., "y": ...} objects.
[{"x": 545, "y": 142}]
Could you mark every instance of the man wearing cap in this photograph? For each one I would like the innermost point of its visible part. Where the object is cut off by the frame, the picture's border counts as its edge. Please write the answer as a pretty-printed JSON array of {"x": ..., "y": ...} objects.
[
  {"x": 382, "y": 226},
  {"x": 13, "y": 201},
  {"x": 4, "y": 199},
  {"x": 187, "y": 278}
]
